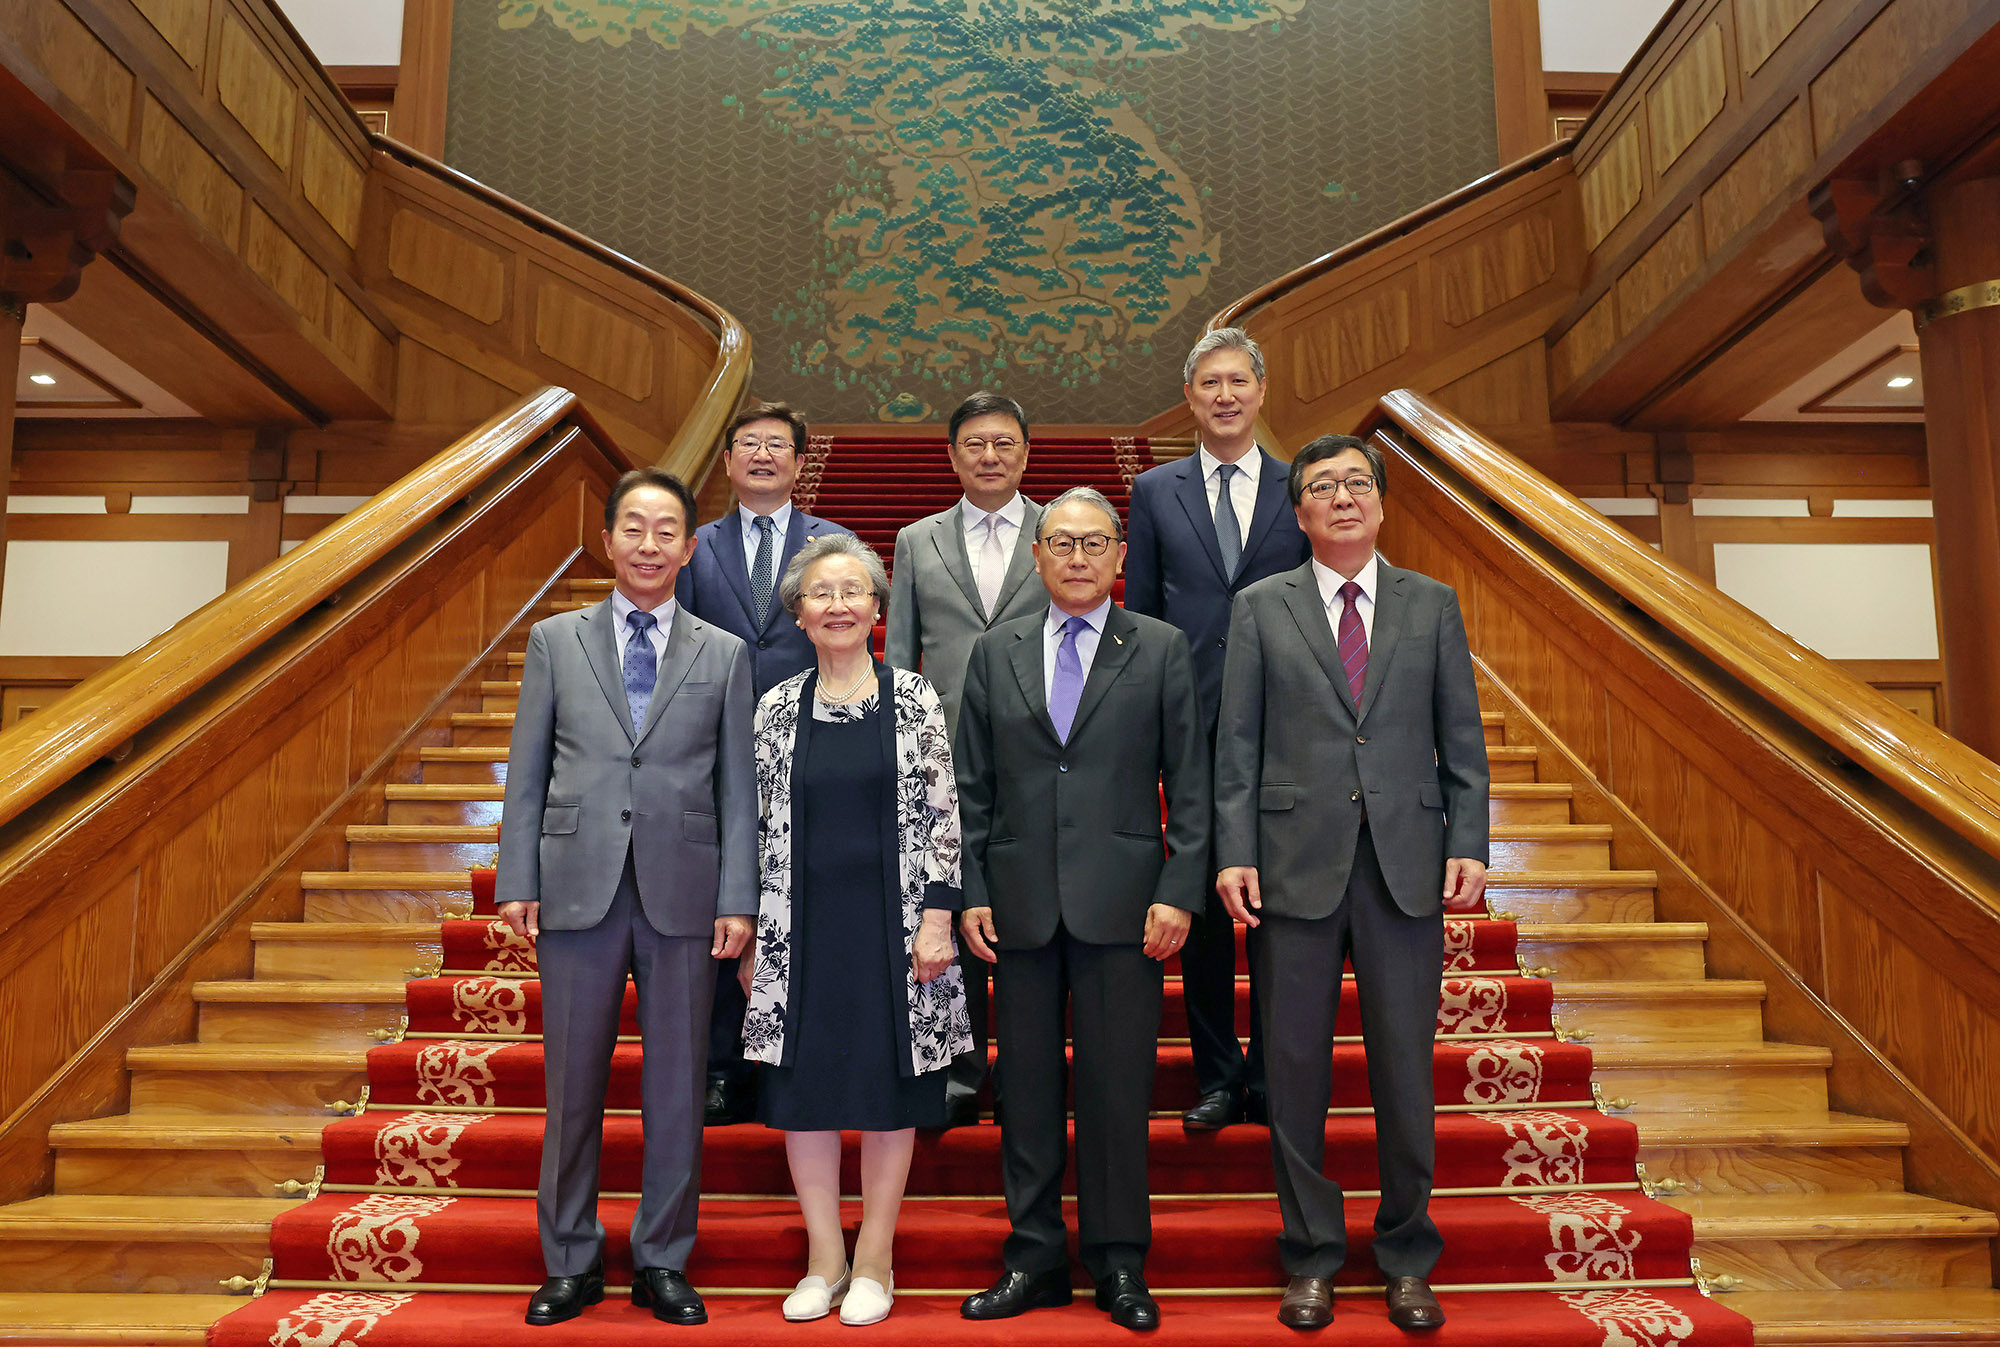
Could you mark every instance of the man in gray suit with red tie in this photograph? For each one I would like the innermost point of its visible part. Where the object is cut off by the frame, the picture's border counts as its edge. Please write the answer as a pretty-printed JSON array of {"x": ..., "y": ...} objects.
[
  {"x": 1350, "y": 805},
  {"x": 628, "y": 844},
  {"x": 1203, "y": 529}
]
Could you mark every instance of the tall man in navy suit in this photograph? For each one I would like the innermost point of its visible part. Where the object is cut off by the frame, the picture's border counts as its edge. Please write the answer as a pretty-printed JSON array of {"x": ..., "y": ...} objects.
[
  {"x": 730, "y": 583},
  {"x": 1201, "y": 529}
]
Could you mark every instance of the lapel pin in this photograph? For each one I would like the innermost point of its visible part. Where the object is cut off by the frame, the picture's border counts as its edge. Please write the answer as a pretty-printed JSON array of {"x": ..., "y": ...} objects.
[{"x": 1119, "y": 639}]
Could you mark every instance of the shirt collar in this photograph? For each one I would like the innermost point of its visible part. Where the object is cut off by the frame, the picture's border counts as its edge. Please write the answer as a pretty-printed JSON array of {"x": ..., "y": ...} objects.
[
  {"x": 1330, "y": 580},
  {"x": 622, "y": 607},
  {"x": 1095, "y": 617},
  {"x": 1249, "y": 465},
  {"x": 781, "y": 519},
  {"x": 1012, "y": 511}
]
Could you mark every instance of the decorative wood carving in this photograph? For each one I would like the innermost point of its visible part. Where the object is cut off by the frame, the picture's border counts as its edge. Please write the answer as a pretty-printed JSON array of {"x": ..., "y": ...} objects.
[
  {"x": 1879, "y": 229},
  {"x": 45, "y": 245}
]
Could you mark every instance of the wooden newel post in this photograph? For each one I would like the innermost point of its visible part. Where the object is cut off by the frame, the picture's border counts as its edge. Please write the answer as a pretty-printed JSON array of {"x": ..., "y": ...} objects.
[{"x": 1959, "y": 333}]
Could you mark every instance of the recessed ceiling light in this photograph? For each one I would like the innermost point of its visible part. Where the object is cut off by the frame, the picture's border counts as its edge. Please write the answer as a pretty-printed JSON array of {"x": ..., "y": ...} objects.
[
  {"x": 44, "y": 379},
  {"x": 1901, "y": 381}
]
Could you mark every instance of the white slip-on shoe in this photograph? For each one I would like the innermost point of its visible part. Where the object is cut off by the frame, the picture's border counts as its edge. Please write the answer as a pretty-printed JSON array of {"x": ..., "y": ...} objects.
[
  {"x": 814, "y": 1299},
  {"x": 867, "y": 1301}
]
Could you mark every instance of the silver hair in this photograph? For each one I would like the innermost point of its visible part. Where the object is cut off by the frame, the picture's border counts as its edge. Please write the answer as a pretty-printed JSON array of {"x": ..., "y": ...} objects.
[
  {"x": 1087, "y": 495},
  {"x": 793, "y": 585},
  {"x": 1224, "y": 339}
]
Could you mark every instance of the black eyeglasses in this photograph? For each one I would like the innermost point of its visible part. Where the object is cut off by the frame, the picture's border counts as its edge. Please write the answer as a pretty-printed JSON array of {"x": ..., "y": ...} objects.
[
  {"x": 1326, "y": 487},
  {"x": 1093, "y": 544}
]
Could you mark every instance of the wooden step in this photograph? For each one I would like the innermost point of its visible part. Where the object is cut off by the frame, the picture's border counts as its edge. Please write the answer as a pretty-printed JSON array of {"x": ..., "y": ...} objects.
[
  {"x": 1512, "y": 763},
  {"x": 210, "y": 1078},
  {"x": 420, "y": 846},
  {"x": 342, "y": 950},
  {"x": 222, "y": 1155},
  {"x": 1728, "y": 1078},
  {"x": 1774, "y": 1152},
  {"x": 1515, "y": 802},
  {"x": 1654, "y": 951},
  {"x": 1572, "y": 895},
  {"x": 1707, "y": 1011},
  {"x": 1840, "y": 1241},
  {"x": 1957, "y": 1315},
  {"x": 499, "y": 696},
  {"x": 318, "y": 1012},
  {"x": 481, "y": 729},
  {"x": 82, "y": 1318},
  {"x": 463, "y": 804},
  {"x": 446, "y": 766},
  {"x": 89, "y": 1242},
  {"x": 385, "y": 895}
]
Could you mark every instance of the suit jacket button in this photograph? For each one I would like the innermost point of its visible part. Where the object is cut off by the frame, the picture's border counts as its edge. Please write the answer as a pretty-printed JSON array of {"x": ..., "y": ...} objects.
[
  {"x": 764, "y": 643},
  {"x": 1062, "y": 767},
  {"x": 624, "y": 816},
  {"x": 1360, "y": 738},
  {"x": 1355, "y": 798},
  {"x": 1222, "y": 640},
  {"x": 635, "y": 762}
]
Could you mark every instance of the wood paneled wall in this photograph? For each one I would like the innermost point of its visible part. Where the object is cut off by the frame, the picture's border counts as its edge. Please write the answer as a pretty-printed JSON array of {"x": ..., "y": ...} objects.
[
  {"x": 206, "y": 825},
  {"x": 1878, "y": 933}
]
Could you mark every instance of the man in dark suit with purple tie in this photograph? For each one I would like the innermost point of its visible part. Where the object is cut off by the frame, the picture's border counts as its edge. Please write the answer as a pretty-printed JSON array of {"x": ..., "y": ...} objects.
[
  {"x": 1201, "y": 529},
  {"x": 730, "y": 583}
]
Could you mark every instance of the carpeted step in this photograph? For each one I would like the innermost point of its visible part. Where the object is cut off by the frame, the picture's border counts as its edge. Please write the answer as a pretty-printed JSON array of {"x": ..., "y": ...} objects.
[
  {"x": 446, "y": 1151},
  {"x": 412, "y": 1238},
  {"x": 500, "y": 1074}
]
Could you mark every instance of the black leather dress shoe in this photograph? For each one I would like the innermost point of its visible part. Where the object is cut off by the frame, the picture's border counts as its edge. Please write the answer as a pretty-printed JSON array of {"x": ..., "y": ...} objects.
[
  {"x": 1123, "y": 1295},
  {"x": 728, "y": 1102},
  {"x": 563, "y": 1298},
  {"x": 1257, "y": 1108},
  {"x": 960, "y": 1109},
  {"x": 1017, "y": 1293},
  {"x": 1412, "y": 1306},
  {"x": 1217, "y": 1109},
  {"x": 667, "y": 1291}
]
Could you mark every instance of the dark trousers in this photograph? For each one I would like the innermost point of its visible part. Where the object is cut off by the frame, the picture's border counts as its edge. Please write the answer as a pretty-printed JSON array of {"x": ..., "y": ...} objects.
[
  {"x": 583, "y": 986},
  {"x": 1208, "y": 984},
  {"x": 1113, "y": 997},
  {"x": 725, "y": 1034},
  {"x": 1398, "y": 969},
  {"x": 968, "y": 1069}
]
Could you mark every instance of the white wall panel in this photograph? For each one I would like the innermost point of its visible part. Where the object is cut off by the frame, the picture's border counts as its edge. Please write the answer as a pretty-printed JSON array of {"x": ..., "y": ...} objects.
[
  {"x": 1843, "y": 600},
  {"x": 103, "y": 598},
  {"x": 1596, "y": 35},
  {"x": 350, "y": 32}
]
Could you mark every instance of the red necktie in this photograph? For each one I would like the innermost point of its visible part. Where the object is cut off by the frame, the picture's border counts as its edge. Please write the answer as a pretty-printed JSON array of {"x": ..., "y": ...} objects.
[{"x": 1353, "y": 642}]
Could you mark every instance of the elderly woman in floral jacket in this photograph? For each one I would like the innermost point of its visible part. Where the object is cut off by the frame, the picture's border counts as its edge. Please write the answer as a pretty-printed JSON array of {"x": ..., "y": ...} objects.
[{"x": 855, "y": 1005}]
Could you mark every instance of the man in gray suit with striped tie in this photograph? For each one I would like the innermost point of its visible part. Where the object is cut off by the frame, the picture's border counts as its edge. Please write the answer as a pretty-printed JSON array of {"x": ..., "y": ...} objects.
[{"x": 628, "y": 843}]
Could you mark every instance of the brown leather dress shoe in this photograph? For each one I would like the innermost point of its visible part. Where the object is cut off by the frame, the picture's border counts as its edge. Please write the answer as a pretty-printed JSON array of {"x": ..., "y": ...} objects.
[
  {"x": 1412, "y": 1306},
  {"x": 1308, "y": 1303}
]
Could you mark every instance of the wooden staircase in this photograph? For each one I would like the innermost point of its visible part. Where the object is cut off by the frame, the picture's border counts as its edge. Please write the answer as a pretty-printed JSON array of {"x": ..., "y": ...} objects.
[{"x": 1801, "y": 1216}]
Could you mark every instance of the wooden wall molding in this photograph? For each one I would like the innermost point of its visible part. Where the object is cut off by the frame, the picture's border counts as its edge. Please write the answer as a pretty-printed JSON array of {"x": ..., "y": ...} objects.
[
  {"x": 417, "y": 117},
  {"x": 1520, "y": 101}
]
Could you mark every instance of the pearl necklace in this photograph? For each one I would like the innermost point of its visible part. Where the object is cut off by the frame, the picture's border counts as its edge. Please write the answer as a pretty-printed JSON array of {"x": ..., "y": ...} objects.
[{"x": 841, "y": 698}]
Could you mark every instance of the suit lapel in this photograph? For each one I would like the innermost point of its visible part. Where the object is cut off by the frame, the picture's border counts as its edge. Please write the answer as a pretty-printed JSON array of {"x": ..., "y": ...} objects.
[
  {"x": 683, "y": 646},
  {"x": 1302, "y": 597},
  {"x": 1114, "y": 651},
  {"x": 1390, "y": 605},
  {"x": 1022, "y": 564},
  {"x": 1271, "y": 499},
  {"x": 600, "y": 647},
  {"x": 1026, "y": 657},
  {"x": 729, "y": 556},
  {"x": 1192, "y": 492},
  {"x": 948, "y": 536}
]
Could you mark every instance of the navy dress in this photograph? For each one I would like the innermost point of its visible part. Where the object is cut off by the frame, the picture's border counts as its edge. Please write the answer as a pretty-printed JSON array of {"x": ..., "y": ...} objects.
[{"x": 848, "y": 967}]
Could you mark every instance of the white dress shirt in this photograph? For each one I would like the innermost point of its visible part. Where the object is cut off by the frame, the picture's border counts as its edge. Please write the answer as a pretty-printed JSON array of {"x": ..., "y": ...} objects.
[
  {"x": 1086, "y": 643},
  {"x": 663, "y": 623},
  {"x": 1330, "y": 581},
  {"x": 1242, "y": 487},
  {"x": 1010, "y": 516},
  {"x": 781, "y": 520}
]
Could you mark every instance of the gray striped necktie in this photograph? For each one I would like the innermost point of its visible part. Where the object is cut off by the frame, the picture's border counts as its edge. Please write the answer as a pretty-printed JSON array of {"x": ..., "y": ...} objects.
[{"x": 1228, "y": 532}]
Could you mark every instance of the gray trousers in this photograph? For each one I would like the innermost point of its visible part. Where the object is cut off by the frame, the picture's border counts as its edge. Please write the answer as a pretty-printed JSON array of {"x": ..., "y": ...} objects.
[
  {"x": 583, "y": 987},
  {"x": 1398, "y": 970}
]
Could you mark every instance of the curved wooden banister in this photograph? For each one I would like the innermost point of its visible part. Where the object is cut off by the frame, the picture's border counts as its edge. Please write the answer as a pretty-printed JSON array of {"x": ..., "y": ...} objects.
[
  {"x": 726, "y": 381},
  {"x": 1234, "y": 314},
  {"x": 106, "y": 710},
  {"x": 1955, "y": 785}
]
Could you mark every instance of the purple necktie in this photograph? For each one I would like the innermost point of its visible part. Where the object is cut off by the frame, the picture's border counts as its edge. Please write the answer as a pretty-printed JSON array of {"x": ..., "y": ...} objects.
[
  {"x": 1353, "y": 642},
  {"x": 1066, "y": 688}
]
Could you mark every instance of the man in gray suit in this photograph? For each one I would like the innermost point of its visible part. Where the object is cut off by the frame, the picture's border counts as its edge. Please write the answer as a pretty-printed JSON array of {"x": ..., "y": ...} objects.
[
  {"x": 959, "y": 573},
  {"x": 1073, "y": 725},
  {"x": 628, "y": 841},
  {"x": 1350, "y": 804}
]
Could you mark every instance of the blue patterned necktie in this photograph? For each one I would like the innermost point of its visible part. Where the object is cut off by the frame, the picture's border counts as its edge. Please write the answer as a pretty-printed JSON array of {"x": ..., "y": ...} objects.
[
  {"x": 1228, "y": 532},
  {"x": 760, "y": 574},
  {"x": 1066, "y": 688},
  {"x": 642, "y": 667}
]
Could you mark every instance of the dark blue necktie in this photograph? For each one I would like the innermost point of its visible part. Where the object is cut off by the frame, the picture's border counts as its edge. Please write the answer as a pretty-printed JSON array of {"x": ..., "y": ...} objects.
[
  {"x": 760, "y": 573},
  {"x": 642, "y": 668},
  {"x": 1228, "y": 532}
]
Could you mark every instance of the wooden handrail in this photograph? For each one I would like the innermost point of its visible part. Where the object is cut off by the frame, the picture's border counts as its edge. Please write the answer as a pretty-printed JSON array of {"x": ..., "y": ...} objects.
[
  {"x": 1235, "y": 313},
  {"x": 1944, "y": 778},
  {"x": 723, "y": 392},
  {"x": 95, "y": 717}
]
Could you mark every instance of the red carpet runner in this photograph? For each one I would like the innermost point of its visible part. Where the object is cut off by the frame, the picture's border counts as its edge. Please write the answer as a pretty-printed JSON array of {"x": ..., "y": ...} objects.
[{"x": 432, "y": 1184}]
